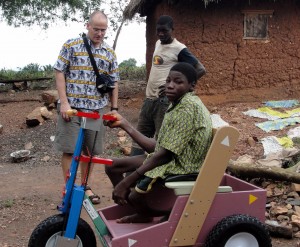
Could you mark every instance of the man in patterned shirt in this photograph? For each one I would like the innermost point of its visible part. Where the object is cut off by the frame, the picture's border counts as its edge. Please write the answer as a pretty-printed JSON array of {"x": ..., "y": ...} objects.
[
  {"x": 76, "y": 85},
  {"x": 181, "y": 147}
]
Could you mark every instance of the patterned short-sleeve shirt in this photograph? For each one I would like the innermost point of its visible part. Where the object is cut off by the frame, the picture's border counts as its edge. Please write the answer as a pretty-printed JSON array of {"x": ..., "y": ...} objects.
[
  {"x": 74, "y": 62},
  {"x": 187, "y": 132}
]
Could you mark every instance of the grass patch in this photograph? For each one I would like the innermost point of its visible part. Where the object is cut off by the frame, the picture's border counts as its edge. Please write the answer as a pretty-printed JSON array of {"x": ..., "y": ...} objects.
[{"x": 7, "y": 203}]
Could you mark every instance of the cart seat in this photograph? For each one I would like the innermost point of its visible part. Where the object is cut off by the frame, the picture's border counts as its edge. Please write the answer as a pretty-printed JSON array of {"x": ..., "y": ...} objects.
[{"x": 183, "y": 184}]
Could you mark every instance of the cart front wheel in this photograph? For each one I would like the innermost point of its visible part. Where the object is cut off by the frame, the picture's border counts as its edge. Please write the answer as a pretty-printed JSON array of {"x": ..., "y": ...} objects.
[
  {"x": 47, "y": 232},
  {"x": 239, "y": 230}
]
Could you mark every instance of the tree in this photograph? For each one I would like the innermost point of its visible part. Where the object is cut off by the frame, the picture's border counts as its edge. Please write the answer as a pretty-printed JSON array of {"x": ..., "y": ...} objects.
[
  {"x": 131, "y": 62},
  {"x": 45, "y": 12},
  {"x": 115, "y": 10}
]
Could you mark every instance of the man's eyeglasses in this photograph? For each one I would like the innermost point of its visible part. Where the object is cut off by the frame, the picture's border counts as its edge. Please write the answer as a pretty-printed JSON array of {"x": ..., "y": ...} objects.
[{"x": 96, "y": 30}]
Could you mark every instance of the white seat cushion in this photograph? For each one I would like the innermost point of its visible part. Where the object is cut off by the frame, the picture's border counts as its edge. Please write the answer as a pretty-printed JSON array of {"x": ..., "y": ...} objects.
[{"x": 185, "y": 187}]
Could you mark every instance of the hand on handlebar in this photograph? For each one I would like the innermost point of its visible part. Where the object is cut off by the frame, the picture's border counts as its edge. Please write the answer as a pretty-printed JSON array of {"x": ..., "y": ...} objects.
[
  {"x": 117, "y": 122},
  {"x": 64, "y": 111}
]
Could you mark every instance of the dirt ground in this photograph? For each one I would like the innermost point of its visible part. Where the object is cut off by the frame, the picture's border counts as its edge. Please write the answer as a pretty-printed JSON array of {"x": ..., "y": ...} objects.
[{"x": 31, "y": 190}]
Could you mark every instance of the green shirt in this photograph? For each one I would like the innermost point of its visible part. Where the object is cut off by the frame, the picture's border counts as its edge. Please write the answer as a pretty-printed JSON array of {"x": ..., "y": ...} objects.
[{"x": 187, "y": 132}]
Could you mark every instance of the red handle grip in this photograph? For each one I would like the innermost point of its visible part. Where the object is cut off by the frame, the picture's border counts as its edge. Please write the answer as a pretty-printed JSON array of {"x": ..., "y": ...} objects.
[{"x": 94, "y": 115}]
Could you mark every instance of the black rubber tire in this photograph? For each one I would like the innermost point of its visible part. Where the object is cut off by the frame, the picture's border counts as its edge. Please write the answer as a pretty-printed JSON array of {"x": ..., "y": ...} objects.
[
  {"x": 53, "y": 225},
  {"x": 235, "y": 224}
]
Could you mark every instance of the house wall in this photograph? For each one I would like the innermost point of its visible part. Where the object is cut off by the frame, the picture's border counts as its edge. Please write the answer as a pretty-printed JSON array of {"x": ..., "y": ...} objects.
[{"x": 215, "y": 35}]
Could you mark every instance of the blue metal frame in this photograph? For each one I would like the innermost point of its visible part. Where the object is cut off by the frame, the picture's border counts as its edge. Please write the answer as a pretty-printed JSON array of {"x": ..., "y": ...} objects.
[
  {"x": 73, "y": 193},
  {"x": 65, "y": 206}
]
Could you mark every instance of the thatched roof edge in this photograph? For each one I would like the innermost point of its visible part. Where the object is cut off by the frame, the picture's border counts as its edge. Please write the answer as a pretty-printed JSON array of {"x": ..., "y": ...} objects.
[
  {"x": 138, "y": 6},
  {"x": 132, "y": 8}
]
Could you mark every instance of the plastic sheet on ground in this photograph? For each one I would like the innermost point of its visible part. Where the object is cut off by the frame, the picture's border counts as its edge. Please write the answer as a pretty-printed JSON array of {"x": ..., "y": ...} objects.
[
  {"x": 295, "y": 132},
  {"x": 273, "y": 144},
  {"x": 274, "y": 113},
  {"x": 259, "y": 114},
  {"x": 217, "y": 121},
  {"x": 282, "y": 103},
  {"x": 277, "y": 159},
  {"x": 294, "y": 112},
  {"x": 278, "y": 124}
]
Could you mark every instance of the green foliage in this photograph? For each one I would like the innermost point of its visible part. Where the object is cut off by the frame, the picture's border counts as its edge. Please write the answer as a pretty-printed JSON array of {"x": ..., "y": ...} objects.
[
  {"x": 128, "y": 71},
  {"x": 45, "y": 12},
  {"x": 133, "y": 73},
  {"x": 31, "y": 70},
  {"x": 131, "y": 62},
  {"x": 7, "y": 74},
  {"x": 7, "y": 204}
]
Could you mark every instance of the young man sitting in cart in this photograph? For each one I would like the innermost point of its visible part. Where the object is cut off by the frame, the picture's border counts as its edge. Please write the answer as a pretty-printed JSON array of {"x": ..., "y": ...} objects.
[{"x": 181, "y": 147}]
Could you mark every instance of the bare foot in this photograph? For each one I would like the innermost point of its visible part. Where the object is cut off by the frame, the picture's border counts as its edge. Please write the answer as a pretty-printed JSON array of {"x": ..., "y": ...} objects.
[{"x": 134, "y": 218}]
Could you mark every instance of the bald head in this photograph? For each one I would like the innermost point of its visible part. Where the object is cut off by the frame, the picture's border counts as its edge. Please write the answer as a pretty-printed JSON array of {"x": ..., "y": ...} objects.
[
  {"x": 97, "y": 14},
  {"x": 97, "y": 26}
]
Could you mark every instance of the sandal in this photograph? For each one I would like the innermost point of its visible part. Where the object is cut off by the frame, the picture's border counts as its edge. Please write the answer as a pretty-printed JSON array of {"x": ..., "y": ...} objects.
[{"x": 95, "y": 199}]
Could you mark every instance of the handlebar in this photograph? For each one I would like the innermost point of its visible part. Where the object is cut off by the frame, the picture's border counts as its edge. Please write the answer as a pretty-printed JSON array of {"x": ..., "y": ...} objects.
[{"x": 94, "y": 115}]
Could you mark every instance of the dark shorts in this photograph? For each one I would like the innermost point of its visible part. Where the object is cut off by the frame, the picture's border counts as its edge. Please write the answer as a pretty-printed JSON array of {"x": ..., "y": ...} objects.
[
  {"x": 144, "y": 185},
  {"x": 67, "y": 132},
  {"x": 151, "y": 116}
]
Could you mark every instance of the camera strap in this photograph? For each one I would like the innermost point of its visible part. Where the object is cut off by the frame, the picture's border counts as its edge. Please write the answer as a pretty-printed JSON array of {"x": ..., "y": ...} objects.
[{"x": 88, "y": 48}]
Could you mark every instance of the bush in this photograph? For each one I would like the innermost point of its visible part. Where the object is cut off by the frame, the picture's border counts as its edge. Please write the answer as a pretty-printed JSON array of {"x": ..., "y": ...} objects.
[
  {"x": 133, "y": 73},
  {"x": 31, "y": 70}
]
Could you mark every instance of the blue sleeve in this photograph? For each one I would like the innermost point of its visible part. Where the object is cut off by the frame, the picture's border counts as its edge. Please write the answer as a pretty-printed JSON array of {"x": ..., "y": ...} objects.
[{"x": 186, "y": 56}]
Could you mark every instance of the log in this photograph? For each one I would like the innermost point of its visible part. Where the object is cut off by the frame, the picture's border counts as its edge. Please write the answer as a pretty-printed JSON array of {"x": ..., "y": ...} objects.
[
  {"x": 4, "y": 101},
  {"x": 277, "y": 230},
  {"x": 25, "y": 79},
  {"x": 246, "y": 170}
]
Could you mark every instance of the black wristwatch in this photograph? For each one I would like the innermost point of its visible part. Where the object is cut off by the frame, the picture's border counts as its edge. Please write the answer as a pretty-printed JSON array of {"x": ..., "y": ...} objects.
[{"x": 114, "y": 108}]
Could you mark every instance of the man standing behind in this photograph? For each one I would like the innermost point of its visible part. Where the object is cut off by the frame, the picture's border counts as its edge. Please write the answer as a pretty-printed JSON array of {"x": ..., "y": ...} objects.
[
  {"x": 76, "y": 85},
  {"x": 168, "y": 51}
]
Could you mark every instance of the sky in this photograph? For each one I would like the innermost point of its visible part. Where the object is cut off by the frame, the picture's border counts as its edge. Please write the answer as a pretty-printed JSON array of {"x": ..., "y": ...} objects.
[{"x": 22, "y": 46}]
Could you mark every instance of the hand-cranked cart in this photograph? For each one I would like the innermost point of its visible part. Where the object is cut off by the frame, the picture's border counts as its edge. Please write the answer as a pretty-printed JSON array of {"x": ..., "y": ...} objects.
[{"x": 210, "y": 209}]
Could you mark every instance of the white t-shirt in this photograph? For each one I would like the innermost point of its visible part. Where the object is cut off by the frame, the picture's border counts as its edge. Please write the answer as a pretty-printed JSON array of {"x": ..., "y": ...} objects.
[{"x": 164, "y": 57}]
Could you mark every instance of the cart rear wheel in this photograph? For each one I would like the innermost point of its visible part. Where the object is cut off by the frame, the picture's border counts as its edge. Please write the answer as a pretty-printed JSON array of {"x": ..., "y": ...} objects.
[
  {"x": 239, "y": 230},
  {"x": 47, "y": 232}
]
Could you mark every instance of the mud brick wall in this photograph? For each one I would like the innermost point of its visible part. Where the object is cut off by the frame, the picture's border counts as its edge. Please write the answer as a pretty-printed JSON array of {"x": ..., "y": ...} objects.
[{"x": 214, "y": 33}]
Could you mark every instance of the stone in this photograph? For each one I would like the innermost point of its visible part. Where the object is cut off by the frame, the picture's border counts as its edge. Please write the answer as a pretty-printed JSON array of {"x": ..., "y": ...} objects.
[
  {"x": 46, "y": 158},
  {"x": 50, "y": 96},
  {"x": 28, "y": 146},
  {"x": 293, "y": 194},
  {"x": 278, "y": 210},
  {"x": 295, "y": 202},
  {"x": 251, "y": 141},
  {"x": 282, "y": 218},
  {"x": 296, "y": 187},
  {"x": 126, "y": 150},
  {"x": 121, "y": 133},
  {"x": 297, "y": 209},
  {"x": 34, "y": 118},
  {"x": 295, "y": 220},
  {"x": 122, "y": 140},
  {"x": 45, "y": 113}
]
